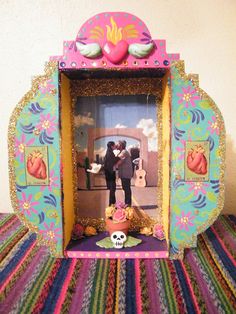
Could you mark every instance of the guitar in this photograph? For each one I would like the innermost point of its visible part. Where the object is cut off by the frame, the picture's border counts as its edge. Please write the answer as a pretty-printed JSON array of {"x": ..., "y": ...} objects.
[{"x": 140, "y": 180}]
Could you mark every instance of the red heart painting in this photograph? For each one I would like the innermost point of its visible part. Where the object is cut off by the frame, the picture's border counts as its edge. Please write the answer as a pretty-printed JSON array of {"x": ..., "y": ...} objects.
[
  {"x": 115, "y": 53},
  {"x": 196, "y": 161},
  {"x": 36, "y": 166}
]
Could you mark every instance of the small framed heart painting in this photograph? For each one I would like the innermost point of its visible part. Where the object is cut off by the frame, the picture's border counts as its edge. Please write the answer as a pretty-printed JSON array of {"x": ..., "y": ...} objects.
[
  {"x": 36, "y": 165},
  {"x": 197, "y": 160}
]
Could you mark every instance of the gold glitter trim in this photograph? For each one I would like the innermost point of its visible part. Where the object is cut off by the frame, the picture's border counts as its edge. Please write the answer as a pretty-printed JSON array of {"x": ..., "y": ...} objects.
[
  {"x": 109, "y": 87},
  {"x": 179, "y": 65},
  {"x": 50, "y": 68}
]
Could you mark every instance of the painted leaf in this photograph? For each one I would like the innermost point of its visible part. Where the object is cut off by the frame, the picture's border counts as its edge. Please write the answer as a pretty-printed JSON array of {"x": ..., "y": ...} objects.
[
  {"x": 37, "y": 196},
  {"x": 131, "y": 241},
  {"x": 211, "y": 196},
  {"x": 16, "y": 163},
  {"x": 105, "y": 243},
  {"x": 204, "y": 104},
  {"x": 176, "y": 209},
  {"x": 57, "y": 192}
]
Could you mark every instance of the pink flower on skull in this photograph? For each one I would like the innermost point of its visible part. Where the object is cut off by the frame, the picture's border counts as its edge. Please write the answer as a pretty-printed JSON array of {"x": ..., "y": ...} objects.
[{"x": 119, "y": 215}]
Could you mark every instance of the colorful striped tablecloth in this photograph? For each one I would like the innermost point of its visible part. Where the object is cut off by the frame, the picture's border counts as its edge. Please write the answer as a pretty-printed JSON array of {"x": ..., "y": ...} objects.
[{"x": 31, "y": 281}]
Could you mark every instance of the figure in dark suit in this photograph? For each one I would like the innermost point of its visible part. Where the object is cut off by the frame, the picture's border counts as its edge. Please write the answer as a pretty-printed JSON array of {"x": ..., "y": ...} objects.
[{"x": 110, "y": 174}]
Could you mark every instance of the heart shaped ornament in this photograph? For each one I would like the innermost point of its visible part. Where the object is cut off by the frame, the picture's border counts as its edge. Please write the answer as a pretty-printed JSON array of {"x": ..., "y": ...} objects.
[{"x": 115, "y": 53}]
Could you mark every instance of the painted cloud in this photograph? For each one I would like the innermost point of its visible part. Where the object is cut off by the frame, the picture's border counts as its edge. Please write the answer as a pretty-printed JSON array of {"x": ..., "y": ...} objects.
[
  {"x": 120, "y": 126},
  {"x": 81, "y": 120},
  {"x": 150, "y": 130}
]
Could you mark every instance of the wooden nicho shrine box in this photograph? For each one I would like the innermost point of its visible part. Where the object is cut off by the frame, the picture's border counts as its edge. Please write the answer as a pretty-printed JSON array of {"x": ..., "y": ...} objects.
[{"x": 116, "y": 84}]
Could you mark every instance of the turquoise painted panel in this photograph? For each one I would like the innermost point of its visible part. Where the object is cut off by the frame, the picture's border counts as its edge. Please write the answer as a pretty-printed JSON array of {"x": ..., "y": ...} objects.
[
  {"x": 37, "y": 163},
  {"x": 194, "y": 204}
]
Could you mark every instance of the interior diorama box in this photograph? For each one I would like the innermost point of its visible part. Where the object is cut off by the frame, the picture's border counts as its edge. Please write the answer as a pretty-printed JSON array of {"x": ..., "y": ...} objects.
[{"x": 116, "y": 93}]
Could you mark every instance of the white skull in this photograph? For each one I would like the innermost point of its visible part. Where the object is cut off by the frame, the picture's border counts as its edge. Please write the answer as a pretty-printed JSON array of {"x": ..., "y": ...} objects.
[{"x": 118, "y": 239}]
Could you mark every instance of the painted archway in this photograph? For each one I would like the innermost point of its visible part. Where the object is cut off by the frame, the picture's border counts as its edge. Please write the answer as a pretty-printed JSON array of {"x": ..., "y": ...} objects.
[{"x": 94, "y": 134}]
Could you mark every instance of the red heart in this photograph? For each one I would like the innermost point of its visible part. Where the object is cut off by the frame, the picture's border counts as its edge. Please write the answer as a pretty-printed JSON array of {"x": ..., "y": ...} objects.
[
  {"x": 197, "y": 162},
  {"x": 36, "y": 166},
  {"x": 115, "y": 53}
]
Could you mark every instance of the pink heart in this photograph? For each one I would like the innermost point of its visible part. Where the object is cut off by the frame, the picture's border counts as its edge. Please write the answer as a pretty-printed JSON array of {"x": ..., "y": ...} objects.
[{"x": 115, "y": 53}]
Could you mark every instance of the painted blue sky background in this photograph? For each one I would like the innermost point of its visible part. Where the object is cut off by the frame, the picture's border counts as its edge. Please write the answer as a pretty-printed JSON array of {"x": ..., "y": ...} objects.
[{"x": 130, "y": 111}]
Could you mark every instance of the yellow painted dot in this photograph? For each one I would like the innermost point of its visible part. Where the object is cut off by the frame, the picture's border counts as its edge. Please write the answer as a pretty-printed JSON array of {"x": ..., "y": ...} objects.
[
  {"x": 46, "y": 124},
  {"x": 26, "y": 205}
]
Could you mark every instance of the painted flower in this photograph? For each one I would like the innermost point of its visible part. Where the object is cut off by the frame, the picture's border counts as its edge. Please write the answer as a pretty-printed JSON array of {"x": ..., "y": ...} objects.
[
  {"x": 109, "y": 211},
  {"x": 213, "y": 126},
  {"x": 129, "y": 212},
  {"x": 52, "y": 182},
  {"x": 119, "y": 215},
  {"x": 20, "y": 146},
  {"x": 185, "y": 221},
  {"x": 119, "y": 204},
  {"x": 197, "y": 187},
  {"x": 51, "y": 233},
  {"x": 47, "y": 123},
  {"x": 90, "y": 231},
  {"x": 26, "y": 204},
  {"x": 46, "y": 86},
  {"x": 181, "y": 149},
  {"x": 188, "y": 97},
  {"x": 158, "y": 232},
  {"x": 77, "y": 232},
  {"x": 147, "y": 231}
]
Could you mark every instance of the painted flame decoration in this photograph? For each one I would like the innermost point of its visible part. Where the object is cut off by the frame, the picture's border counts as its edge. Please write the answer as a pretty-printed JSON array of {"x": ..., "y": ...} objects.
[{"x": 114, "y": 34}]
